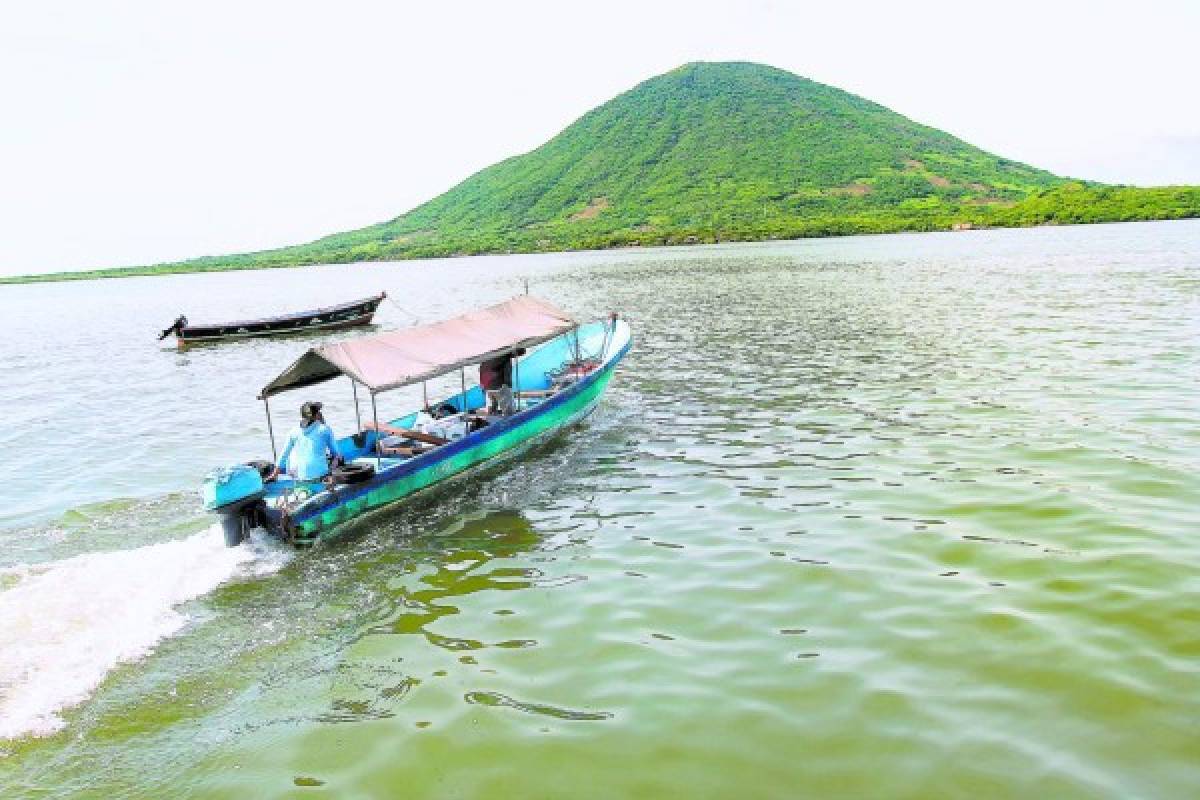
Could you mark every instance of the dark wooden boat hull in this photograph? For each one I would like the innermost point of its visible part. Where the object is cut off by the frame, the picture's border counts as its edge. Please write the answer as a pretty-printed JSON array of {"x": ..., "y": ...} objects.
[{"x": 347, "y": 315}]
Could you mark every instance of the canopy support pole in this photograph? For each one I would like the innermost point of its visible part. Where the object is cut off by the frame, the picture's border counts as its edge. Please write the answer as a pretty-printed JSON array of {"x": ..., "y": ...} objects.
[
  {"x": 462, "y": 403},
  {"x": 517, "y": 380},
  {"x": 357, "y": 413},
  {"x": 425, "y": 393},
  {"x": 375, "y": 416},
  {"x": 271, "y": 431}
]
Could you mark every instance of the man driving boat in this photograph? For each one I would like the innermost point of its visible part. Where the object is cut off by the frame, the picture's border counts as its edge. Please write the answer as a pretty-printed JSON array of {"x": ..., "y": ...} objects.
[{"x": 310, "y": 447}]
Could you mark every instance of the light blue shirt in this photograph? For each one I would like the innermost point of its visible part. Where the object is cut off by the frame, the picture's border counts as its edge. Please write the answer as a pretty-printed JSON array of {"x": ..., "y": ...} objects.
[{"x": 304, "y": 453}]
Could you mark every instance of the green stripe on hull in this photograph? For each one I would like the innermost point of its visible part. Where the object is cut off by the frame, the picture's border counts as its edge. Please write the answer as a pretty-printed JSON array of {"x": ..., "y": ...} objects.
[{"x": 392, "y": 491}]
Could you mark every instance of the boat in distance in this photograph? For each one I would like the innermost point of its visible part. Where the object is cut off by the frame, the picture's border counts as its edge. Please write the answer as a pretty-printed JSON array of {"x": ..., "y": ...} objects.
[
  {"x": 555, "y": 384},
  {"x": 343, "y": 315}
]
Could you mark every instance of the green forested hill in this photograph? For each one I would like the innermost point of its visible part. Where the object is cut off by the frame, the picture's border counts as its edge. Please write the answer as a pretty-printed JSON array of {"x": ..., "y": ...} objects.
[{"x": 719, "y": 152}]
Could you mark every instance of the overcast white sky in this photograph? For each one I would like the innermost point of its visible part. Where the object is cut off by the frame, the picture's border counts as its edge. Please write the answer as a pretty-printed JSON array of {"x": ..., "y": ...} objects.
[{"x": 137, "y": 132}]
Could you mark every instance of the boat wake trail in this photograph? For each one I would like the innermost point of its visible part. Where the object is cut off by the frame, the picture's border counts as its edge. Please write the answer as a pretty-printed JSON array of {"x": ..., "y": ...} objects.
[{"x": 65, "y": 624}]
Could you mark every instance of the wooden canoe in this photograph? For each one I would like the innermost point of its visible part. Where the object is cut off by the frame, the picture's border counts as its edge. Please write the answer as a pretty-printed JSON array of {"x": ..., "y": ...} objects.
[{"x": 345, "y": 315}]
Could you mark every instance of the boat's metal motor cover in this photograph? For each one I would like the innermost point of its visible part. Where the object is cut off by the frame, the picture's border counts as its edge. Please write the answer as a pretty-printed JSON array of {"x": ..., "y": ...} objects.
[{"x": 227, "y": 486}]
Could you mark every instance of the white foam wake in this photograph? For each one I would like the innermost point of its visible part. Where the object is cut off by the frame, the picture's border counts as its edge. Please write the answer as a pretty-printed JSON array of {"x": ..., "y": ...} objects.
[{"x": 64, "y": 625}]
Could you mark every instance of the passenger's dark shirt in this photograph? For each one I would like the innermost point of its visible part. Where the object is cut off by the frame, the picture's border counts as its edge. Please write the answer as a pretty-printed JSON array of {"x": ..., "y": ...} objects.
[{"x": 496, "y": 373}]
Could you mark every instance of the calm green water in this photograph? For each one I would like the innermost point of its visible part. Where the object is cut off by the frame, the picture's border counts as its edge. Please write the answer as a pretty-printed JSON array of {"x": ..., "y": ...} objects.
[{"x": 904, "y": 516}]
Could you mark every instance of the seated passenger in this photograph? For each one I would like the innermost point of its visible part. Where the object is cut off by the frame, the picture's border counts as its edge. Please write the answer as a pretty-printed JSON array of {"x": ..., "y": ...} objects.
[
  {"x": 395, "y": 441},
  {"x": 408, "y": 433},
  {"x": 401, "y": 447},
  {"x": 447, "y": 426},
  {"x": 310, "y": 447}
]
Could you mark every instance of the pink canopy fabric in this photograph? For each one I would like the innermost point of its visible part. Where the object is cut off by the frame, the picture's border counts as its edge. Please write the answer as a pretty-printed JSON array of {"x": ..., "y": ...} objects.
[{"x": 399, "y": 358}]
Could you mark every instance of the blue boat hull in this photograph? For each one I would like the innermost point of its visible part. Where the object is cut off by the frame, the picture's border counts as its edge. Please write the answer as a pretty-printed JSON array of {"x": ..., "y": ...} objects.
[{"x": 395, "y": 480}]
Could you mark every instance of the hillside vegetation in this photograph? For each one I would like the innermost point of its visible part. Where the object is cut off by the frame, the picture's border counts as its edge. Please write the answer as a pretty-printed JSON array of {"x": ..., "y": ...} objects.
[{"x": 724, "y": 152}]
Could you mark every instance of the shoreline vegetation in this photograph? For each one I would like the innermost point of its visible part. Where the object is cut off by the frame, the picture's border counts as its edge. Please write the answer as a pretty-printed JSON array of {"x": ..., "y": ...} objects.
[
  {"x": 1170, "y": 203},
  {"x": 726, "y": 152}
]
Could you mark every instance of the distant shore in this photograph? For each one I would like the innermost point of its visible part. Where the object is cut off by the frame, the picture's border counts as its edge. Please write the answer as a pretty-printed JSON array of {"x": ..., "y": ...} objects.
[{"x": 237, "y": 263}]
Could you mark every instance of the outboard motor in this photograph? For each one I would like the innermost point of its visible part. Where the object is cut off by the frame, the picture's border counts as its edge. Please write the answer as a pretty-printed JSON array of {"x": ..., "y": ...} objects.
[
  {"x": 236, "y": 495},
  {"x": 178, "y": 325}
]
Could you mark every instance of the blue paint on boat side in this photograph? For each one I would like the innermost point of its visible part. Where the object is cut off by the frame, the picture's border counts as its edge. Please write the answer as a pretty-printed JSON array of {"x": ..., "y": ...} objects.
[
  {"x": 532, "y": 375},
  {"x": 432, "y": 459}
]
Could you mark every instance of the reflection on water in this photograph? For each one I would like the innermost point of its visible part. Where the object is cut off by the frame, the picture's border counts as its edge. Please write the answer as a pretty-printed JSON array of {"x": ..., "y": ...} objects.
[
  {"x": 497, "y": 699},
  {"x": 892, "y": 516},
  {"x": 421, "y": 593}
]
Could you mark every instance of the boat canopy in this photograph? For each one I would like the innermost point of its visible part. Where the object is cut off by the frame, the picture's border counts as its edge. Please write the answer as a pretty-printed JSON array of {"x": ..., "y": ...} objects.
[{"x": 399, "y": 358}]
